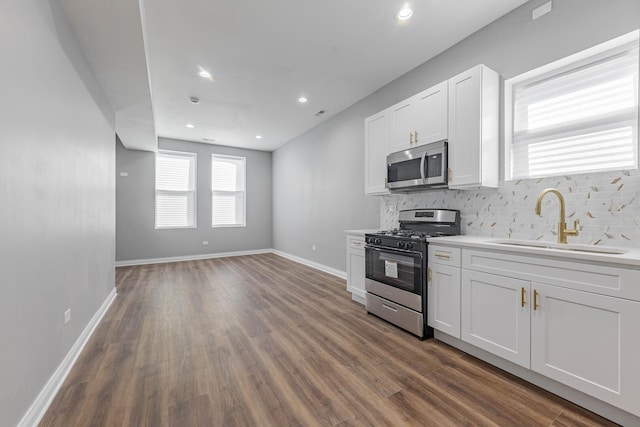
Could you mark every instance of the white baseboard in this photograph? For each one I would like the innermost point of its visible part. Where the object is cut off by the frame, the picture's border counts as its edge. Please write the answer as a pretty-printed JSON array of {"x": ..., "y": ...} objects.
[
  {"x": 358, "y": 295},
  {"x": 312, "y": 264},
  {"x": 48, "y": 393},
  {"x": 189, "y": 258}
]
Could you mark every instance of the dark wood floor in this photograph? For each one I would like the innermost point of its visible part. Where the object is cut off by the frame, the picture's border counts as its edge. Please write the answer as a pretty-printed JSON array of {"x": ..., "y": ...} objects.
[{"x": 263, "y": 341}]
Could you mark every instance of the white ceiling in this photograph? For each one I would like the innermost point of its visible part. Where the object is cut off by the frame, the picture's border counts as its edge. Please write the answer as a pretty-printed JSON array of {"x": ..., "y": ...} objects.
[
  {"x": 111, "y": 37},
  {"x": 263, "y": 55}
]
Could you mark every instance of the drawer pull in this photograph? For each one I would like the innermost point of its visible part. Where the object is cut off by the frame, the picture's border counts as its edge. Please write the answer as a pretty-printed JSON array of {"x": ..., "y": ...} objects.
[
  {"x": 395, "y": 310},
  {"x": 443, "y": 256}
]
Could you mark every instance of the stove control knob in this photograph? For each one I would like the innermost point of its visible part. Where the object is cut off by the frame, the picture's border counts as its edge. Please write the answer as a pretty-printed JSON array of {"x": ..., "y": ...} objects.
[
  {"x": 378, "y": 241},
  {"x": 368, "y": 240},
  {"x": 409, "y": 245},
  {"x": 401, "y": 244}
]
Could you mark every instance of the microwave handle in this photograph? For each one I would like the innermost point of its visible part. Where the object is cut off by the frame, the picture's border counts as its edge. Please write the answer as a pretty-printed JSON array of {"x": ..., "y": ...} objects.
[{"x": 422, "y": 162}]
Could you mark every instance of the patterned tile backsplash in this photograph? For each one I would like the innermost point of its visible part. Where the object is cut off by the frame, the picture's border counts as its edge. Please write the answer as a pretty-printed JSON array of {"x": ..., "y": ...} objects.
[{"x": 606, "y": 204}]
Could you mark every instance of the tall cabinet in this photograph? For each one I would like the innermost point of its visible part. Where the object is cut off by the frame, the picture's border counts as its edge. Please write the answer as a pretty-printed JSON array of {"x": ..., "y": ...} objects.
[{"x": 474, "y": 128}]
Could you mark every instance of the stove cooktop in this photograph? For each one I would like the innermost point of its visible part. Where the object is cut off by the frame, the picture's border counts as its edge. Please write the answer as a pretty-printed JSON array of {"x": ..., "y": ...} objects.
[{"x": 410, "y": 234}]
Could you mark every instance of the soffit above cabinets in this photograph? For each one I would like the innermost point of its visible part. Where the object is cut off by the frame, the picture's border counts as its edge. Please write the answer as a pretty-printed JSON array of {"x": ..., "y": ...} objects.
[
  {"x": 111, "y": 36},
  {"x": 262, "y": 56}
]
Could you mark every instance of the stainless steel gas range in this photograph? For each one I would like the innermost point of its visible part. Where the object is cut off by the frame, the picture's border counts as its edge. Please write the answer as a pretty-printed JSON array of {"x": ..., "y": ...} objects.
[{"x": 396, "y": 266}]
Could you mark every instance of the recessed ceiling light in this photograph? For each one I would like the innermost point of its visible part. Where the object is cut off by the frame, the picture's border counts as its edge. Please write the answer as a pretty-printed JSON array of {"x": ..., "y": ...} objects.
[
  {"x": 258, "y": 136},
  {"x": 205, "y": 74},
  {"x": 302, "y": 100},
  {"x": 190, "y": 125},
  {"x": 404, "y": 14}
]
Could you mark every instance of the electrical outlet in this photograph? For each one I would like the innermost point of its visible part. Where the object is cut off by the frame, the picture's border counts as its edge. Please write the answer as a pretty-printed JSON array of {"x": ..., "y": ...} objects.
[
  {"x": 67, "y": 316},
  {"x": 313, "y": 247},
  {"x": 205, "y": 242}
]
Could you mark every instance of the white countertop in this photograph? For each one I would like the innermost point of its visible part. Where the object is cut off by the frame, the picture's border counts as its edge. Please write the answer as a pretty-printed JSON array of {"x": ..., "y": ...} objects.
[
  {"x": 630, "y": 257},
  {"x": 361, "y": 232}
]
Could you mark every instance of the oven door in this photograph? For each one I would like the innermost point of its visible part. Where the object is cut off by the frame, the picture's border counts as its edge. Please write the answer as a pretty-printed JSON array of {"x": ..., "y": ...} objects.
[
  {"x": 398, "y": 268},
  {"x": 396, "y": 275}
]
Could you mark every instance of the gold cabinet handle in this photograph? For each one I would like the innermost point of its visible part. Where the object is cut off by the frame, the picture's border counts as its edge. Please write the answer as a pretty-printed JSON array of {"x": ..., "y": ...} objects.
[
  {"x": 410, "y": 137},
  {"x": 443, "y": 256},
  {"x": 450, "y": 174},
  {"x": 522, "y": 297},
  {"x": 535, "y": 299},
  {"x": 428, "y": 274},
  {"x": 416, "y": 136}
]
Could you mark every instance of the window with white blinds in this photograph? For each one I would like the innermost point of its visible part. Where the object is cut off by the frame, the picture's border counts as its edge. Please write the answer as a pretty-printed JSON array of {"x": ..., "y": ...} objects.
[
  {"x": 175, "y": 189},
  {"x": 576, "y": 115},
  {"x": 228, "y": 187}
]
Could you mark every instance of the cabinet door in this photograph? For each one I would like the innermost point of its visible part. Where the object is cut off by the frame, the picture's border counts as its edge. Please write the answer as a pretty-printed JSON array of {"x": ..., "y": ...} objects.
[
  {"x": 356, "y": 274},
  {"x": 376, "y": 148},
  {"x": 465, "y": 128},
  {"x": 443, "y": 299},
  {"x": 495, "y": 315},
  {"x": 431, "y": 115},
  {"x": 402, "y": 125},
  {"x": 588, "y": 342}
]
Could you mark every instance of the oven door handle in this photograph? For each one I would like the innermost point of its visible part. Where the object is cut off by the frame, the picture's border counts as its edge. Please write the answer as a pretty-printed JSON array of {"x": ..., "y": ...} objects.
[
  {"x": 422, "y": 162},
  {"x": 404, "y": 251}
]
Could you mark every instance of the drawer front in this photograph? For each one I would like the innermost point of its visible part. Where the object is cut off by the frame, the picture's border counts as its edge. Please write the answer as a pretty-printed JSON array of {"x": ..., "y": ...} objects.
[
  {"x": 444, "y": 255},
  {"x": 355, "y": 242},
  {"x": 590, "y": 277},
  {"x": 403, "y": 317}
]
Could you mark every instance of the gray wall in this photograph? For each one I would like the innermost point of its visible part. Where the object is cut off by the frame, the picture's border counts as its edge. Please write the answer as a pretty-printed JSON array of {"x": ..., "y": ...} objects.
[
  {"x": 136, "y": 236},
  {"x": 318, "y": 177},
  {"x": 318, "y": 190},
  {"x": 57, "y": 199}
]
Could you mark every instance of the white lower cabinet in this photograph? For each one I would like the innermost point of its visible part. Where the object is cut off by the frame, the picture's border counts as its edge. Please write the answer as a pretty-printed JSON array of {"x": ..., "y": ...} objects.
[
  {"x": 356, "y": 267},
  {"x": 576, "y": 322},
  {"x": 443, "y": 290},
  {"x": 589, "y": 342},
  {"x": 495, "y": 315}
]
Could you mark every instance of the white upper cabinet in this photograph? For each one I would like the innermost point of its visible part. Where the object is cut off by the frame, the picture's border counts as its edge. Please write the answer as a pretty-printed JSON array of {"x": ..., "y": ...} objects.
[
  {"x": 376, "y": 148},
  {"x": 402, "y": 125},
  {"x": 473, "y": 128},
  {"x": 420, "y": 119},
  {"x": 431, "y": 114}
]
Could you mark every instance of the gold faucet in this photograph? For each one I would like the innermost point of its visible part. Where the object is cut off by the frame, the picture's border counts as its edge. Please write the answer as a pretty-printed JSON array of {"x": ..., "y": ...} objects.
[{"x": 563, "y": 232}]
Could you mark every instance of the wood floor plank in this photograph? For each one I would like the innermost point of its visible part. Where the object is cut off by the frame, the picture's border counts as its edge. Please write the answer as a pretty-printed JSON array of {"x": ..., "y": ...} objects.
[{"x": 263, "y": 341}]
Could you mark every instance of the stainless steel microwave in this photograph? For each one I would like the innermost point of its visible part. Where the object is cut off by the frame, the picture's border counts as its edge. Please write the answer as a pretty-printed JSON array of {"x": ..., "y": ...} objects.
[{"x": 420, "y": 168}]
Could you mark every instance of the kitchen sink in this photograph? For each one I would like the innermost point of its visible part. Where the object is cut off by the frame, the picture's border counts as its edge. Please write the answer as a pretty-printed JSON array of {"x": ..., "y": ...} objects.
[{"x": 562, "y": 247}]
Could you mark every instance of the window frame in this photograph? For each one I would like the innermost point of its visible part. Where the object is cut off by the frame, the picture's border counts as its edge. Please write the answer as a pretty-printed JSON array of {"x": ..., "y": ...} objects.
[
  {"x": 243, "y": 192},
  {"x": 557, "y": 69},
  {"x": 195, "y": 189}
]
